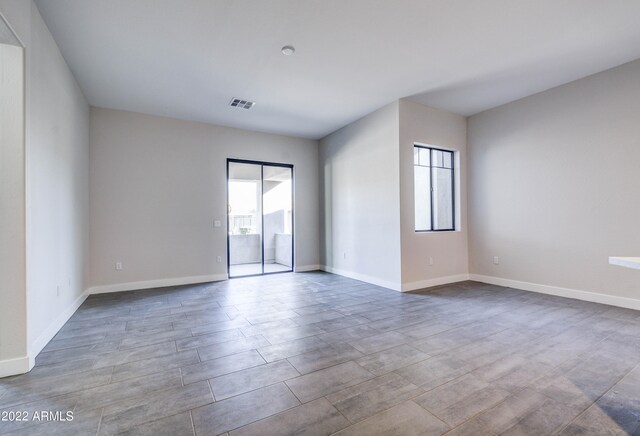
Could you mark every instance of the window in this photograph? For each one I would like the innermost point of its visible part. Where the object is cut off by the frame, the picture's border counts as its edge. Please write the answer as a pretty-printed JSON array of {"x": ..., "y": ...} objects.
[{"x": 434, "y": 190}]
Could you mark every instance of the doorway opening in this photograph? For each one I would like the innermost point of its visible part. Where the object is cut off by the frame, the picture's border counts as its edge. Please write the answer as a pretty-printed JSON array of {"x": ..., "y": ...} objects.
[{"x": 259, "y": 218}]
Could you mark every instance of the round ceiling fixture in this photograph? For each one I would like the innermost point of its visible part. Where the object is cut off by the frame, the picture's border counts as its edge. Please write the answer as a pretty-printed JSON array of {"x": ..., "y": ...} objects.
[{"x": 288, "y": 50}]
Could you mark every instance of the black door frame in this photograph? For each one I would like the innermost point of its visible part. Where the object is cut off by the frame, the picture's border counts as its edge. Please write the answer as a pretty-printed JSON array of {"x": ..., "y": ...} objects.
[{"x": 293, "y": 245}]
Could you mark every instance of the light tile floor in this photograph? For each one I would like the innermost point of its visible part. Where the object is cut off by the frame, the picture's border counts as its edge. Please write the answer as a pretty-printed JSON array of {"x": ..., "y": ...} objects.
[{"x": 316, "y": 353}]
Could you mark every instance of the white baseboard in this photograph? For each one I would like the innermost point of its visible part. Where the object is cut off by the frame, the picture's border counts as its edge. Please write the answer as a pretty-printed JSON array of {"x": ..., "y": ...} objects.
[
  {"x": 161, "y": 283},
  {"x": 404, "y": 287},
  {"x": 305, "y": 268},
  {"x": 54, "y": 327},
  {"x": 438, "y": 281},
  {"x": 24, "y": 364},
  {"x": 362, "y": 277},
  {"x": 594, "y": 297},
  {"x": 15, "y": 366}
]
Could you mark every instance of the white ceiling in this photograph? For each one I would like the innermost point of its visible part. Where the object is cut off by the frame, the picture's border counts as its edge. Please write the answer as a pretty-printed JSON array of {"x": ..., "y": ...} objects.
[{"x": 187, "y": 58}]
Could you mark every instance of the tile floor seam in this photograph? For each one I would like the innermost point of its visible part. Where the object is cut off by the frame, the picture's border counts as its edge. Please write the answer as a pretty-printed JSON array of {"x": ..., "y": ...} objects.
[
  {"x": 100, "y": 421},
  {"x": 446, "y": 350},
  {"x": 594, "y": 403},
  {"x": 265, "y": 359},
  {"x": 339, "y": 411},
  {"x": 193, "y": 426},
  {"x": 294, "y": 394},
  {"x": 53, "y": 396},
  {"x": 504, "y": 400},
  {"x": 215, "y": 400},
  {"x": 562, "y": 428},
  {"x": 257, "y": 389},
  {"x": 451, "y": 427},
  {"x": 268, "y": 416},
  {"x": 144, "y": 395},
  {"x": 441, "y": 332},
  {"x": 528, "y": 413},
  {"x": 139, "y": 424},
  {"x": 150, "y": 373}
]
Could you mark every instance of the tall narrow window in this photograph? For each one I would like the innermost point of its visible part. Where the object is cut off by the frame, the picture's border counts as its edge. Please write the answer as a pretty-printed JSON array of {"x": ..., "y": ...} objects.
[{"x": 433, "y": 173}]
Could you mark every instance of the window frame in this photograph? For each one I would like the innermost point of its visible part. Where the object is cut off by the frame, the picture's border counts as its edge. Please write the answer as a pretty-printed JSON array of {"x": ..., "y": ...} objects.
[{"x": 432, "y": 148}]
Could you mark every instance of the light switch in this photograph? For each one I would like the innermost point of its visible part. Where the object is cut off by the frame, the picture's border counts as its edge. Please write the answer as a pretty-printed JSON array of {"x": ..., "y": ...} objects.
[{"x": 217, "y": 223}]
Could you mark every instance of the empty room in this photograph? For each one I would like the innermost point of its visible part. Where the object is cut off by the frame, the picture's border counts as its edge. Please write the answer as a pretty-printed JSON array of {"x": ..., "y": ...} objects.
[{"x": 318, "y": 217}]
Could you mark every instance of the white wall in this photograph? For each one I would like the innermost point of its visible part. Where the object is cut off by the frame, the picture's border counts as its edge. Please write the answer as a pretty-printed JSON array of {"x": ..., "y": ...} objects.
[
  {"x": 157, "y": 185},
  {"x": 553, "y": 188},
  {"x": 421, "y": 124},
  {"x": 360, "y": 224},
  {"x": 13, "y": 307},
  {"x": 55, "y": 183},
  {"x": 57, "y": 188}
]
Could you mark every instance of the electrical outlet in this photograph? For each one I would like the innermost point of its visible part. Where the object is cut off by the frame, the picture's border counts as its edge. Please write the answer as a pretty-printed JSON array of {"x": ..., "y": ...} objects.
[
  {"x": 219, "y": 259},
  {"x": 496, "y": 260},
  {"x": 217, "y": 223},
  {"x": 344, "y": 255},
  {"x": 430, "y": 261},
  {"x": 118, "y": 266},
  {"x": 58, "y": 290}
]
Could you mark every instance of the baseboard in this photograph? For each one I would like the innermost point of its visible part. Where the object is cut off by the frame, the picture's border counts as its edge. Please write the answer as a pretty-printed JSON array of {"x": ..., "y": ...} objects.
[
  {"x": 306, "y": 268},
  {"x": 594, "y": 297},
  {"x": 24, "y": 364},
  {"x": 16, "y": 366},
  {"x": 54, "y": 327},
  {"x": 161, "y": 283},
  {"x": 362, "y": 277},
  {"x": 438, "y": 281}
]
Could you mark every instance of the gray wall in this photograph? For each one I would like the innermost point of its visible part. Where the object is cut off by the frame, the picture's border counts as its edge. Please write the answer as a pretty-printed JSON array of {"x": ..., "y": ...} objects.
[
  {"x": 57, "y": 187},
  {"x": 13, "y": 310},
  {"x": 448, "y": 250},
  {"x": 553, "y": 186},
  {"x": 56, "y": 180},
  {"x": 157, "y": 185},
  {"x": 361, "y": 199}
]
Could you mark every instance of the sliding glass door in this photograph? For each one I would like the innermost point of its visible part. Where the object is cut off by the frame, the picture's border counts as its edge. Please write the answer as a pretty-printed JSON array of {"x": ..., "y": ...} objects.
[{"x": 260, "y": 217}]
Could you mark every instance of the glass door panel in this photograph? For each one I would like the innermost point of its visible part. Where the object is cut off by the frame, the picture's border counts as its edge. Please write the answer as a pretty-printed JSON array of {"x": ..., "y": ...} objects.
[
  {"x": 277, "y": 218},
  {"x": 245, "y": 219}
]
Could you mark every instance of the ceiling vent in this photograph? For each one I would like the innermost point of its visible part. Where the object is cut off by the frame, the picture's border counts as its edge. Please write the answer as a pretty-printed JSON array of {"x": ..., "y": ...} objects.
[{"x": 242, "y": 104}]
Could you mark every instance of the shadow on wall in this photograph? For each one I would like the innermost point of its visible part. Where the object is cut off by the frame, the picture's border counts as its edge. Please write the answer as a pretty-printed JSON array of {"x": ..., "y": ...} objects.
[{"x": 326, "y": 226}]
